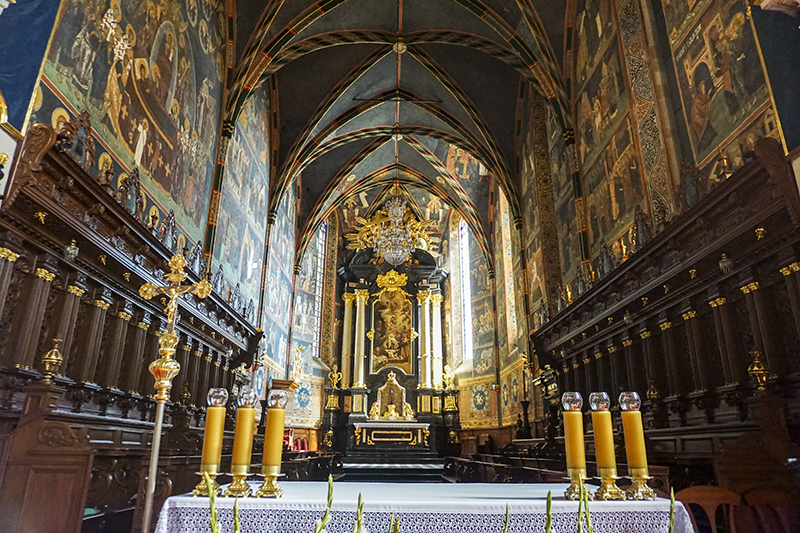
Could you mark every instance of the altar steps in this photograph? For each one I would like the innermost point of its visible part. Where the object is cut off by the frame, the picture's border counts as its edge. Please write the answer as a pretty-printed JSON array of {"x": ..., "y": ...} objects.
[{"x": 400, "y": 467}]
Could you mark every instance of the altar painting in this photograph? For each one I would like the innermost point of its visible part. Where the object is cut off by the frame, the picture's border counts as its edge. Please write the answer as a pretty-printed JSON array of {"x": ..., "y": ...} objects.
[
  {"x": 393, "y": 333},
  {"x": 149, "y": 74},
  {"x": 721, "y": 81}
]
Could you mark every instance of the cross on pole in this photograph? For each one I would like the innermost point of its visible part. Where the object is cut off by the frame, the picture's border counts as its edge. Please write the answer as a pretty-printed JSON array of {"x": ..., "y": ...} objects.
[{"x": 166, "y": 367}]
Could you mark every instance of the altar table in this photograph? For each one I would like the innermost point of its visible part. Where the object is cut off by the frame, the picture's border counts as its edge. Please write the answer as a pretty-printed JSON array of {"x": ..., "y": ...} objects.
[{"x": 422, "y": 508}]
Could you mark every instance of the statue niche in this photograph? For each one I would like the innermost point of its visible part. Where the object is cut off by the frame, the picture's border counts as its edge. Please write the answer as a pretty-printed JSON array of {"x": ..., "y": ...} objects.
[{"x": 391, "y": 403}]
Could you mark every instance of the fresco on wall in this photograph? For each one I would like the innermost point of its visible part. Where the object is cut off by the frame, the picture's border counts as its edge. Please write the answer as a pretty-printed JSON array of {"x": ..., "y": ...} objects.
[
  {"x": 149, "y": 74},
  {"x": 280, "y": 267},
  {"x": 483, "y": 323},
  {"x": 477, "y": 402},
  {"x": 242, "y": 217},
  {"x": 614, "y": 188},
  {"x": 680, "y": 15},
  {"x": 530, "y": 221},
  {"x": 569, "y": 247},
  {"x": 503, "y": 341},
  {"x": 26, "y": 29},
  {"x": 720, "y": 78},
  {"x": 601, "y": 106},
  {"x": 509, "y": 396},
  {"x": 594, "y": 29}
]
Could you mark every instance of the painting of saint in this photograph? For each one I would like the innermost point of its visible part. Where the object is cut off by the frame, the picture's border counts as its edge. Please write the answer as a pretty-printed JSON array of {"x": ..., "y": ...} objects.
[
  {"x": 393, "y": 334},
  {"x": 153, "y": 100},
  {"x": 679, "y": 15},
  {"x": 721, "y": 81},
  {"x": 601, "y": 105},
  {"x": 593, "y": 31},
  {"x": 567, "y": 228}
]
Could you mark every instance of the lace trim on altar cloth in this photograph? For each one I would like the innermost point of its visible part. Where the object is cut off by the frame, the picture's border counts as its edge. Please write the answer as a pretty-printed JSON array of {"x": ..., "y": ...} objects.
[{"x": 195, "y": 520}]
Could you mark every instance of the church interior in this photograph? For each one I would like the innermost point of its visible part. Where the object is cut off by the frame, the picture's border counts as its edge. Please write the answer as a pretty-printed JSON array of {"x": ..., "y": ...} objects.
[{"x": 410, "y": 226}]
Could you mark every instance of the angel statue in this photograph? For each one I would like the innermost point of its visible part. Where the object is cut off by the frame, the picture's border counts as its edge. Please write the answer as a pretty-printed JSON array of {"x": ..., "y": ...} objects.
[
  {"x": 335, "y": 377},
  {"x": 449, "y": 378}
]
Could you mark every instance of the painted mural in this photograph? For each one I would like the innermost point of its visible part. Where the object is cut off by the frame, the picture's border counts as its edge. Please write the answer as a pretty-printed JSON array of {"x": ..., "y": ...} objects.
[
  {"x": 280, "y": 267},
  {"x": 483, "y": 321},
  {"x": 510, "y": 394},
  {"x": 477, "y": 403},
  {"x": 149, "y": 74},
  {"x": 601, "y": 105},
  {"x": 722, "y": 84},
  {"x": 503, "y": 344},
  {"x": 26, "y": 29},
  {"x": 530, "y": 220},
  {"x": 594, "y": 30},
  {"x": 242, "y": 218},
  {"x": 614, "y": 187},
  {"x": 510, "y": 268}
]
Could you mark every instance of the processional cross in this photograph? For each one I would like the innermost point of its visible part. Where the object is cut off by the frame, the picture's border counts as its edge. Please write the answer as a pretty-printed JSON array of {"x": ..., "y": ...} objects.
[{"x": 166, "y": 367}]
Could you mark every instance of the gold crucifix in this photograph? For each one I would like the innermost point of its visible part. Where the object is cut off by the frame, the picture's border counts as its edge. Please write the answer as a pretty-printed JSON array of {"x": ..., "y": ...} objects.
[{"x": 166, "y": 368}]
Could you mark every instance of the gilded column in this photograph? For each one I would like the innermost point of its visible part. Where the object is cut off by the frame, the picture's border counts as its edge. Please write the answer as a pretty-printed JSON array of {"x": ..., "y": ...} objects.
[
  {"x": 789, "y": 275},
  {"x": 653, "y": 394},
  {"x": 132, "y": 363},
  {"x": 66, "y": 311},
  {"x": 360, "y": 357},
  {"x": 694, "y": 335},
  {"x": 114, "y": 347},
  {"x": 631, "y": 383},
  {"x": 204, "y": 364},
  {"x": 146, "y": 384},
  {"x": 7, "y": 260},
  {"x": 674, "y": 383},
  {"x": 30, "y": 314},
  {"x": 90, "y": 350},
  {"x": 347, "y": 340},
  {"x": 438, "y": 357},
  {"x": 424, "y": 301},
  {"x": 725, "y": 340},
  {"x": 183, "y": 353}
]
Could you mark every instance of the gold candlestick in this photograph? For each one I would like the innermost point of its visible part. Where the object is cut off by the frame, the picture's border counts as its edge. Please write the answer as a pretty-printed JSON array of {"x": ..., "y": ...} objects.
[
  {"x": 635, "y": 448},
  {"x": 273, "y": 444},
  {"x": 212, "y": 442},
  {"x": 604, "y": 447},
  {"x": 243, "y": 444}
]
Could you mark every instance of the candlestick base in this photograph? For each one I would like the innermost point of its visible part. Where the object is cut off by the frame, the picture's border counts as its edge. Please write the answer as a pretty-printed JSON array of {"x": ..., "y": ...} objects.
[
  {"x": 576, "y": 477},
  {"x": 239, "y": 487},
  {"x": 202, "y": 488},
  {"x": 270, "y": 488},
  {"x": 639, "y": 490},
  {"x": 608, "y": 490}
]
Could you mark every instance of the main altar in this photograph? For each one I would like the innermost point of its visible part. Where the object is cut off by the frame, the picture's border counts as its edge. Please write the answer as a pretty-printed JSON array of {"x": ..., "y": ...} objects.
[{"x": 388, "y": 391}]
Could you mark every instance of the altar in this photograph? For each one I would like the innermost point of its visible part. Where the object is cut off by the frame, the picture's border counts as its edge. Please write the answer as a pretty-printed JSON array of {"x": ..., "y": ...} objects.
[
  {"x": 391, "y": 435},
  {"x": 422, "y": 508}
]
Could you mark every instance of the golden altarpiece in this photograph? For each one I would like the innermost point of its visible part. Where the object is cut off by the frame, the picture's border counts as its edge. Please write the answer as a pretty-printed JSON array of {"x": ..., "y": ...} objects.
[{"x": 391, "y": 391}]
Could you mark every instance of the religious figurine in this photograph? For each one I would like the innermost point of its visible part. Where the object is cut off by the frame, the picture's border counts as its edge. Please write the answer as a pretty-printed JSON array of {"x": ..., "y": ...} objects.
[
  {"x": 241, "y": 379},
  {"x": 606, "y": 264},
  {"x": 408, "y": 414},
  {"x": 374, "y": 411},
  {"x": 218, "y": 281},
  {"x": 449, "y": 378},
  {"x": 335, "y": 377},
  {"x": 641, "y": 232},
  {"x": 391, "y": 412},
  {"x": 196, "y": 263}
]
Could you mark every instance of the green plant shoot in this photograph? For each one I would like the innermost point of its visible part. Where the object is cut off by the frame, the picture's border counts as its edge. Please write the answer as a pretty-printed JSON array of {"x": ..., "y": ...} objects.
[
  {"x": 359, "y": 515},
  {"x": 505, "y": 526},
  {"x": 213, "y": 519},
  {"x": 549, "y": 519},
  {"x": 671, "y": 509},
  {"x": 236, "y": 525}
]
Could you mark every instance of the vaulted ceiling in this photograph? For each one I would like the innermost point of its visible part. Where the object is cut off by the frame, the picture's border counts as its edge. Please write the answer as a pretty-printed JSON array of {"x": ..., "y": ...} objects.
[{"x": 375, "y": 91}]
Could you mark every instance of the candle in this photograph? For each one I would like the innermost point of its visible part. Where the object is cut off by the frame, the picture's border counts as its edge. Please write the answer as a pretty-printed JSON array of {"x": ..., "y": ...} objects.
[
  {"x": 634, "y": 439},
  {"x": 243, "y": 438},
  {"x": 603, "y": 432},
  {"x": 212, "y": 437},
  {"x": 604, "y": 447},
  {"x": 273, "y": 444},
  {"x": 273, "y": 439},
  {"x": 573, "y": 432},
  {"x": 212, "y": 442},
  {"x": 243, "y": 443},
  {"x": 634, "y": 447}
]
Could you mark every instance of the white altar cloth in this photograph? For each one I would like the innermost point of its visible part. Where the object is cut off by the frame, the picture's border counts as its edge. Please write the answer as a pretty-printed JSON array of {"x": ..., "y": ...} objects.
[{"x": 422, "y": 508}]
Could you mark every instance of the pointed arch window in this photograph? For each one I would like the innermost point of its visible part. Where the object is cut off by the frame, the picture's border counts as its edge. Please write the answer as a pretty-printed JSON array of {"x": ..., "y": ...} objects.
[{"x": 466, "y": 299}]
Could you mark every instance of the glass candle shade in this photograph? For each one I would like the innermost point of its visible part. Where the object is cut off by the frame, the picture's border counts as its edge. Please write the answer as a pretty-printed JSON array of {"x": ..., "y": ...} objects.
[{"x": 212, "y": 437}]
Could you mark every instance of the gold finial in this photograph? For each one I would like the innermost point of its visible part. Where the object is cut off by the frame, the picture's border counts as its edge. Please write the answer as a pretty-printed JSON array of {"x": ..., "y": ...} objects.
[
  {"x": 52, "y": 361},
  {"x": 127, "y": 276},
  {"x": 40, "y": 215},
  {"x": 758, "y": 370},
  {"x": 103, "y": 258},
  {"x": 693, "y": 273},
  {"x": 760, "y": 232}
]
